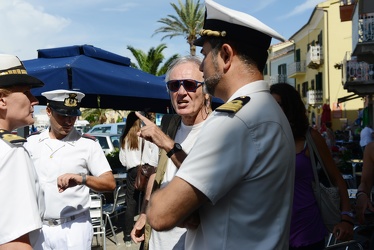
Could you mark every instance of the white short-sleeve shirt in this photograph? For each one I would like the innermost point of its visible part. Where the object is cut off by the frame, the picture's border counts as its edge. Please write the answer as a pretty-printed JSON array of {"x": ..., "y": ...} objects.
[
  {"x": 72, "y": 154},
  {"x": 22, "y": 201},
  {"x": 244, "y": 163}
]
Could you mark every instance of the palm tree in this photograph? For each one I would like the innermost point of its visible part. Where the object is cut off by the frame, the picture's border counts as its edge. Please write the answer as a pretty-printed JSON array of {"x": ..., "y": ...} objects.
[
  {"x": 151, "y": 62},
  {"x": 187, "y": 22}
]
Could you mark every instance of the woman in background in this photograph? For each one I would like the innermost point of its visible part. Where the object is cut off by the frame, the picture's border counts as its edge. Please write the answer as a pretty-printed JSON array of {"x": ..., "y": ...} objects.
[
  {"x": 134, "y": 151},
  {"x": 307, "y": 228}
]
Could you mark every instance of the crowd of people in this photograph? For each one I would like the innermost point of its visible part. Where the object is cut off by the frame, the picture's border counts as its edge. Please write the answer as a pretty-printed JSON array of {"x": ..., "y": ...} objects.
[{"x": 238, "y": 176}]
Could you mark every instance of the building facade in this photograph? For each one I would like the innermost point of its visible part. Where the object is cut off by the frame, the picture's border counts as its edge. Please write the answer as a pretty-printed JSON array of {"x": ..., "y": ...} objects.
[{"x": 319, "y": 48}]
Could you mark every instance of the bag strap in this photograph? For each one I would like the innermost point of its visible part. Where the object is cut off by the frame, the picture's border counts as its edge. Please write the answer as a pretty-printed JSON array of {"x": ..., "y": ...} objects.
[
  {"x": 169, "y": 125},
  {"x": 311, "y": 147},
  {"x": 141, "y": 152}
]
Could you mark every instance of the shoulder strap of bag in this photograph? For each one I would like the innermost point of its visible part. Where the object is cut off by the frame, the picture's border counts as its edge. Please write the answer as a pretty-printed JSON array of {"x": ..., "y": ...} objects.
[
  {"x": 313, "y": 148},
  {"x": 169, "y": 125},
  {"x": 141, "y": 152}
]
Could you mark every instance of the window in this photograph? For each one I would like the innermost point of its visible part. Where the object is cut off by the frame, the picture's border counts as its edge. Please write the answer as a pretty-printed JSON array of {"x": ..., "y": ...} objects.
[
  {"x": 312, "y": 85},
  {"x": 282, "y": 73},
  {"x": 304, "y": 89},
  {"x": 297, "y": 55},
  {"x": 320, "y": 38},
  {"x": 319, "y": 84}
]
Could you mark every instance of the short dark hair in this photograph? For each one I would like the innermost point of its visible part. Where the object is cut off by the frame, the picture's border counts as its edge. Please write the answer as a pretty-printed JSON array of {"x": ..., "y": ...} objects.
[
  {"x": 293, "y": 107},
  {"x": 249, "y": 54}
]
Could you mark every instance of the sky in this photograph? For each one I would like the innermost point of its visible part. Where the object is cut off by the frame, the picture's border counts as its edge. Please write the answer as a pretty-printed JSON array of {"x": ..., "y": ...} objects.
[{"x": 112, "y": 25}]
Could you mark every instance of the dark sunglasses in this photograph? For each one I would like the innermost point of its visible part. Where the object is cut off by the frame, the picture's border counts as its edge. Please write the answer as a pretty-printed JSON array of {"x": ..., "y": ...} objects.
[{"x": 188, "y": 84}]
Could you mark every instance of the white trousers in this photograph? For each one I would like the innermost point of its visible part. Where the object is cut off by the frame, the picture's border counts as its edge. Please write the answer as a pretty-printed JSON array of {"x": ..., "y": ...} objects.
[{"x": 72, "y": 235}]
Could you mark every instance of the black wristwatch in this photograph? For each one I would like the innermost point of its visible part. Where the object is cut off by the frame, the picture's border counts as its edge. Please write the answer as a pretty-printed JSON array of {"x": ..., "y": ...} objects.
[{"x": 177, "y": 147}]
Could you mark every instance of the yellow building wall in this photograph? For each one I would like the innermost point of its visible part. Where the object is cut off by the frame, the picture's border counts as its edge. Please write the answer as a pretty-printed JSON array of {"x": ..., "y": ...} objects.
[{"x": 336, "y": 42}]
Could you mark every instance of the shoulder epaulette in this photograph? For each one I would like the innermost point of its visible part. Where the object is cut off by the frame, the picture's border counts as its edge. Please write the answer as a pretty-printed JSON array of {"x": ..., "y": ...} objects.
[
  {"x": 9, "y": 137},
  {"x": 235, "y": 105},
  {"x": 87, "y": 136}
]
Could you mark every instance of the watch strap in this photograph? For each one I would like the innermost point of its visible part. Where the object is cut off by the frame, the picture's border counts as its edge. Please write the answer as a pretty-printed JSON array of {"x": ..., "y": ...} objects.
[{"x": 177, "y": 147}]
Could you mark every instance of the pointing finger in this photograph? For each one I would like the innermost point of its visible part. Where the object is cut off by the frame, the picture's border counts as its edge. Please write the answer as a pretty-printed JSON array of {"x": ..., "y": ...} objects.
[{"x": 143, "y": 118}]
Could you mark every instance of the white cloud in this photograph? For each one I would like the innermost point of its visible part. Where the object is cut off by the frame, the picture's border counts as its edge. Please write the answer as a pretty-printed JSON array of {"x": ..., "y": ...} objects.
[
  {"x": 261, "y": 5},
  {"x": 299, "y": 9},
  {"x": 121, "y": 8},
  {"x": 25, "y": 26}
]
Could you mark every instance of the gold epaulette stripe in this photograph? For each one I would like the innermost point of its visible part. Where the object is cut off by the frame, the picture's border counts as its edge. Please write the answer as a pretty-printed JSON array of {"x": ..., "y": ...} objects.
[
  {"x": 235, "y": 105},
  {"x": 9, "y": 137}
]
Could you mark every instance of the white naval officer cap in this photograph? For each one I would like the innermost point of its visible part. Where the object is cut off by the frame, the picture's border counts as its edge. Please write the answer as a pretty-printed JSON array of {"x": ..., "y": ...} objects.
[
  {"x": 64, "y": 102},
  {"x": 13, "y": 73},
  {"x": 237, "y": 26}
]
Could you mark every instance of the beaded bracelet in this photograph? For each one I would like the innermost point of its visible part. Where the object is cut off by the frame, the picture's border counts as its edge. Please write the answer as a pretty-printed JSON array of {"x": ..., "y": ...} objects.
[{"x": 349, "y": 222}]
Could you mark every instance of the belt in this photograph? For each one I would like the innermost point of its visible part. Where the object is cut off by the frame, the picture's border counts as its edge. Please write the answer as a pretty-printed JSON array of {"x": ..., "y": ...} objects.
[{"x": 56, "y": 222}]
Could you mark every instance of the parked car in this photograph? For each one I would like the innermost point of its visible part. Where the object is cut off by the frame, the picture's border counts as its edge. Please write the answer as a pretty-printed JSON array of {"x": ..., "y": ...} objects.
[
  {"x": 108, "y": 128},
  {"x": 108, "y": 142}
]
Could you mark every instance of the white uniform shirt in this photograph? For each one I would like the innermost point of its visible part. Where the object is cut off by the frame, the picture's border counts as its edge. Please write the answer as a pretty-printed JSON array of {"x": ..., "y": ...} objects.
[
  {"x": 72, "y": 154},
  {"x": 366, "y": 136},
  {"x": 132, "y": 158},
  {"x": 22, "y": 198},
  {"x": 174, "y": 239},
  {"x": 244, "y": 163}
]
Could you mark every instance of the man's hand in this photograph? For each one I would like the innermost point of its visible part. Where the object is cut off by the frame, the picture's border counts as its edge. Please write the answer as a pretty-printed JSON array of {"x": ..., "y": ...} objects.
[
  {"x": 137, "y": 233},
  {"x": 66, "y": 181},
  {"x": 154, "y": 134}
]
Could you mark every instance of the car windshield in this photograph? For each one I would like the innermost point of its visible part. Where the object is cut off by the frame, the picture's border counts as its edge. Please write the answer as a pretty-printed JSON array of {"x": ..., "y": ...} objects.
[
  {"x": 103, "y": 142},
  {"x": 115, "y": 140}
]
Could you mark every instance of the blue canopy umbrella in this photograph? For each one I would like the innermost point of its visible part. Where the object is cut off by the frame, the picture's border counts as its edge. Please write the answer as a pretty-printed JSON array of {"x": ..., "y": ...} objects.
[{"x": 105, "y": 78}]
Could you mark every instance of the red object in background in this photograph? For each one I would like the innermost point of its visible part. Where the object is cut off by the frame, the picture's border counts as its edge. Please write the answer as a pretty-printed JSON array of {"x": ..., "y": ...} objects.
[{"x": 326, "y": 114}]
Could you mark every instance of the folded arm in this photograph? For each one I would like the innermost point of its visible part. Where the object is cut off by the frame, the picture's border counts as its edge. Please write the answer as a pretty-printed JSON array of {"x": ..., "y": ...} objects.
[{"x": 173, "y": 205}]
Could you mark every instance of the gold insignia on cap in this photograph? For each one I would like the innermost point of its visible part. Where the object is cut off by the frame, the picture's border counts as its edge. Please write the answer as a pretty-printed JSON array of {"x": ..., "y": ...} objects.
[
  {"x": 71, "y": 101},
  {"x": 235, "y": 105},
  {"x": 14, "y": 72},
  {"x": 204, "y": 32}
]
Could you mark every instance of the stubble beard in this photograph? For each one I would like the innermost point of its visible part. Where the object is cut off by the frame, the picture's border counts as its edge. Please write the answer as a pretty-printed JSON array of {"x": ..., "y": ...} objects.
[{"x": 212, "y": 81}]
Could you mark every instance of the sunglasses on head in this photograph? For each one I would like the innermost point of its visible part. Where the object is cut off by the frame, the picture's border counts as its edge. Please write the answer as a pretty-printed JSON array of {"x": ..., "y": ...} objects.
[{"x": 188, "y": 84}]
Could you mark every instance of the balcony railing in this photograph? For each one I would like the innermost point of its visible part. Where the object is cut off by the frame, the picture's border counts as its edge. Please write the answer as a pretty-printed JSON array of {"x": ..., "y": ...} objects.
[
  {"x": 362, "y": 28},
  {"x": 359, "y": 71},
  {"x": 296, "y": 68},
  {"x": 314, "y": 97},
  {"x": 314, "y": 57}
]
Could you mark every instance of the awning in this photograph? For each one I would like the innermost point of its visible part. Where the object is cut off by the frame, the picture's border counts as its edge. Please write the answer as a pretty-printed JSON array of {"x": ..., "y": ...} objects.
[{"x": 348, "y": 98}]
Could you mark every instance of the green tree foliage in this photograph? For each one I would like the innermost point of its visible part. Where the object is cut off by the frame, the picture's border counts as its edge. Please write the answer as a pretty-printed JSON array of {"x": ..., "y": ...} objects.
[
  {"x": 151, "y": 62},
  {"x": 187, "y": 22}
]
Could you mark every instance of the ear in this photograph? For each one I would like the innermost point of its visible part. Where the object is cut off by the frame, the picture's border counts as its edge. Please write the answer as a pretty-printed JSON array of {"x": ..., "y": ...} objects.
[
  {"x": 48, "y": 111},
  {"x": 227, "y": 54},
  {"x": 2, "y": 103}
]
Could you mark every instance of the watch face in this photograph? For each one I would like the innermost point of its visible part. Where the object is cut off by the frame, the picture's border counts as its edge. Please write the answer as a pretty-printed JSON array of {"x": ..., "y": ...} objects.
[{"x": 178, "y": 146}]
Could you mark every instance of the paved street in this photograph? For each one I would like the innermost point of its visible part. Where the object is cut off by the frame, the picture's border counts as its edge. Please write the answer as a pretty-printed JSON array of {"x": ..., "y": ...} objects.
[{"x": 110, "y": 245}]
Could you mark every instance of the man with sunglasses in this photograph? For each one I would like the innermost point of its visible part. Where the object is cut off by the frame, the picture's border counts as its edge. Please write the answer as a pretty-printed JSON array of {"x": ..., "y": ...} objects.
[
  {"x": 239, "y": 174},
  {"x": 191, "y": 103}
]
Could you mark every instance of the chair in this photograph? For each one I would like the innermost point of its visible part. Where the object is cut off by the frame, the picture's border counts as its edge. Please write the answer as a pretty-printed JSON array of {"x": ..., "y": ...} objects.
[
  {"x": 116, "y": 208},
  {"x": 97, "y": 220}
]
